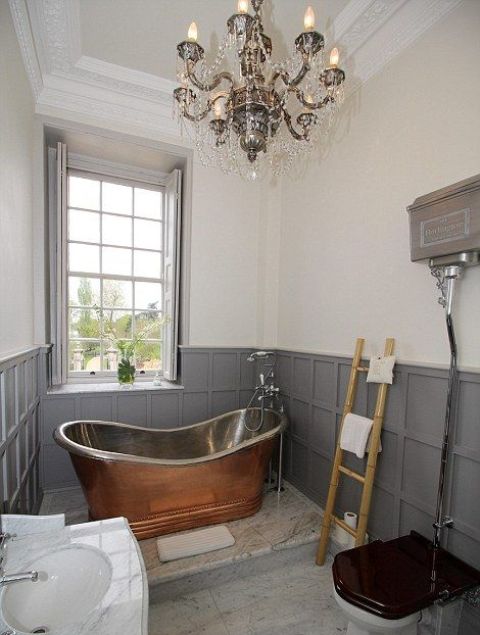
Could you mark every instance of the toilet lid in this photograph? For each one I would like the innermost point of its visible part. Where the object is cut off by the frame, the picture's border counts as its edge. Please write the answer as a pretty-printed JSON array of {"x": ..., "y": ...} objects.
[{"x": 394, "y": 579}]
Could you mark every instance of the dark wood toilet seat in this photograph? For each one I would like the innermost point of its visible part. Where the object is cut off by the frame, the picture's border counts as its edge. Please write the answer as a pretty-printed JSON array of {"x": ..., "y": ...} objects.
[{"x": 394, "y": 579}]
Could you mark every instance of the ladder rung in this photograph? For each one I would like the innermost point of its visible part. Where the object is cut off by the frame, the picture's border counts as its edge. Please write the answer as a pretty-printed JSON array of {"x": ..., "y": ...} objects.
[
  {"x": 358, "y": 477},
  {"x": 341, "y": 523},
  {"x": 363, "y": 369}
]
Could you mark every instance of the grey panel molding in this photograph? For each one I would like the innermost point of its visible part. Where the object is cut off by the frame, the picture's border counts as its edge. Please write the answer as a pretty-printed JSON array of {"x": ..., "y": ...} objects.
[
  {"x": 22, "y": 382},
  {"x": 313, "y": 388}
]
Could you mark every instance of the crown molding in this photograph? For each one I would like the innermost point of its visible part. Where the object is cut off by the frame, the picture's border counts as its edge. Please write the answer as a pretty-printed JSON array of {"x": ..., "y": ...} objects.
[
  {"x": 21, "y": 23},
  {"x": 369, "y": 33}
]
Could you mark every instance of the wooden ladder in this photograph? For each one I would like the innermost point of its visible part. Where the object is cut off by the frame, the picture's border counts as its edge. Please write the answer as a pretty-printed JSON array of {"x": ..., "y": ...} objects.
[{"x": 365, "y": 479}]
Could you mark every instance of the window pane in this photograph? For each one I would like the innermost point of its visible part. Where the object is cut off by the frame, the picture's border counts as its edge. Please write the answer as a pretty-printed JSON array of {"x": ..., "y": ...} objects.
[
  {"x": 148, "y": 356},
  {"x": 117, "y": 325},
  {"x": 116, "y": 198},
  {"x": 83, "y": 193},
  {"x": 83, "y": 291},
  {"x": 148, "y": 203},
  {"x": 83, "y": 258},
  {"x": 83, "y": 226},
  {"x": 147, "y": 264},
  {"x": 84, "y": 356},
  {"x": 116, "y": 230},
  {"x": 117, "y": 261},
  {"x": 111, "y": 357},
  {"x": 84, "y": 323},
  {"x": 148, "y": 295},
  {"x": 148, "y": 234},
  {"x": 148, "y": 323},
  {"x": 117, "y": 294}
]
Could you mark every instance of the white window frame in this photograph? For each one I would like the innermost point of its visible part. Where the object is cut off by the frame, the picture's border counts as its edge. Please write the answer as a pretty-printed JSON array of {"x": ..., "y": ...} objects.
[{"x": 78, "y": 165}]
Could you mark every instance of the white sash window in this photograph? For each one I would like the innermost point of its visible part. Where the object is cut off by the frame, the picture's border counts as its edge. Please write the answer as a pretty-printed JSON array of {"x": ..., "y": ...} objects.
[{"x": 114, "y": 271}]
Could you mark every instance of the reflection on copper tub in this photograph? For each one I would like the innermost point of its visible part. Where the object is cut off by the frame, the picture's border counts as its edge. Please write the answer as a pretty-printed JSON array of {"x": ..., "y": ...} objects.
[{"x": 164, "y": 481}]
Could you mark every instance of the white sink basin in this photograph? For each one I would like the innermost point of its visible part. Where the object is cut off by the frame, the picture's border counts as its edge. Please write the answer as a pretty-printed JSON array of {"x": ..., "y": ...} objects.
[{"x": 71, "y": 582}]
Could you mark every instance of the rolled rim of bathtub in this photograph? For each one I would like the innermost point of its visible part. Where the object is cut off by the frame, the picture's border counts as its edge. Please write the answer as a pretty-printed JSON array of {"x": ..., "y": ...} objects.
[{"x": 61, "y": 438}]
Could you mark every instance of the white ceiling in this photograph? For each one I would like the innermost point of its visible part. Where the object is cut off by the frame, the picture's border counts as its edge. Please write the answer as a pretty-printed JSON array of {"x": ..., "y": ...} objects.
[
  {"x": 143, "y": 34},
  {"x": 115, "y": 60}
]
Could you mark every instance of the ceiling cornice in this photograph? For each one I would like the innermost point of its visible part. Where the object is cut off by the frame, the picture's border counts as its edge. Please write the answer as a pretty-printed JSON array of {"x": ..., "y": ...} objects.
[{"x": 369, "y": 33}]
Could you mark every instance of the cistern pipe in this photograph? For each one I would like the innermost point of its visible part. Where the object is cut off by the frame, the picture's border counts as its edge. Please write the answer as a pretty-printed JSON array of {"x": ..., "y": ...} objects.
[{"x": 450, "y": 274}]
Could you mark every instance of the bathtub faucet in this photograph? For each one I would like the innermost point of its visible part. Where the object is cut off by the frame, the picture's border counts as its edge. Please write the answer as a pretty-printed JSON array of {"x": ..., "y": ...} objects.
[
  {"x": 260, "y": 355},
  {"x": 266, "y": 390}
]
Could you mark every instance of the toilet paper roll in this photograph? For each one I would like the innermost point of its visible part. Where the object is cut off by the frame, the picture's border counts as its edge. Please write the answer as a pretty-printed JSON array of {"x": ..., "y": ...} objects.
[
  {"x": 343, "y": 537},
  {"x": 350, "y": 519}
]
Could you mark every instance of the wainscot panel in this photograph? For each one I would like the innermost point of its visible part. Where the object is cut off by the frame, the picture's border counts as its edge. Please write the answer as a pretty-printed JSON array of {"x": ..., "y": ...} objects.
[
  {"x": 313, "y": 388},
  {"x": 22, "y": 381}
]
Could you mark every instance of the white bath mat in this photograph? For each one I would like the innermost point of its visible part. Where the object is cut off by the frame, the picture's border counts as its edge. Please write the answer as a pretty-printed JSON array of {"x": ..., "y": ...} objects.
[{"x": 194, "y": 543}]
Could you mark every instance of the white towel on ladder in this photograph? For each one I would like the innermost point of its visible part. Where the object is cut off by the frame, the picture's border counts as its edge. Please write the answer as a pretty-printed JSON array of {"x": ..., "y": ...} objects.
[{"x": 356, "y": 434}]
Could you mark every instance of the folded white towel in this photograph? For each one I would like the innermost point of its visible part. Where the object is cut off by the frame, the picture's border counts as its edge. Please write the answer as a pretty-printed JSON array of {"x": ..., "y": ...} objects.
[{"x": 355, "y": 434}]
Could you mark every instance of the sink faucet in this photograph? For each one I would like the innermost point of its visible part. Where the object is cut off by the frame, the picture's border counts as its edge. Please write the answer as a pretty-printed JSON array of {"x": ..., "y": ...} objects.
[
  {"x": 18, "y": 577},
  {"x": 15, "y": 577},
  {"x": 4, "y": 537}
]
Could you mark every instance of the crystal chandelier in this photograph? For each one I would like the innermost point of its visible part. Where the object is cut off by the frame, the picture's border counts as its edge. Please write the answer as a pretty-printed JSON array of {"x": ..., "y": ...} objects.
[{"x": 245, "y": 112}]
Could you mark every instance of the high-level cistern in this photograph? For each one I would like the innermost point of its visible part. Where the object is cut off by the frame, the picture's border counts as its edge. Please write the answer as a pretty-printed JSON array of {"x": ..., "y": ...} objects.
[{"x": 445, "y": 230}]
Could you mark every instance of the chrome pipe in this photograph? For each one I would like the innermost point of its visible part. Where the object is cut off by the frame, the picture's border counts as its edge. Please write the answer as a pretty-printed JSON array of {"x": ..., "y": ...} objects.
[{"x": 450, "y": 274}]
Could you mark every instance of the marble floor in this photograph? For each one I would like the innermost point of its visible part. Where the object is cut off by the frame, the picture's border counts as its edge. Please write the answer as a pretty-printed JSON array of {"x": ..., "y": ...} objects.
[
  {"x": 284, "y": 595},
  {"x": 294, "y": 600}
]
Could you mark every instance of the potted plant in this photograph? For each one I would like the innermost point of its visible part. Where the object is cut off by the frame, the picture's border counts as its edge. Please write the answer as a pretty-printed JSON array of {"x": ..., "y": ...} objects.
[
  {"x": 125, "y": 367},
  {"x": 127, "y": 348}
]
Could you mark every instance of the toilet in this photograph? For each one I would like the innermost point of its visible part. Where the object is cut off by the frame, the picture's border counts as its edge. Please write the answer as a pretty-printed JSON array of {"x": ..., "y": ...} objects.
[
  {"x": 362, "y": 622},
  {"x": 383, "y": 587}
]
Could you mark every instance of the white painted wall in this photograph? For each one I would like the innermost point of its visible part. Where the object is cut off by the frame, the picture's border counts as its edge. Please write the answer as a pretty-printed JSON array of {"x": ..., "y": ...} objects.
[
  {"x": 323, "y": 257},
  {"x": 16, "y": 123},
  {"x": 345, "y": 267},
  {"x": 224, "y": 259}
]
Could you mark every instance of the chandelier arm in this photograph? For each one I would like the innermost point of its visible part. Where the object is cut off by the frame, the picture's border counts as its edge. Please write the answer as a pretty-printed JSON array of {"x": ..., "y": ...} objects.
[
  {"x": 296, "y": 135},
  {"x": 291, "y": 83},
  {"x": 195, "y": 118},
  {"x": 207, "y": 88},
  {"x": 311, "y": 105}
]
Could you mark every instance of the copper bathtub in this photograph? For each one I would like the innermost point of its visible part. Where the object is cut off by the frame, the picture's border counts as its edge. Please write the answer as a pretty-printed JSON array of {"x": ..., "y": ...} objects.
[{"x": 164, "y": 481}]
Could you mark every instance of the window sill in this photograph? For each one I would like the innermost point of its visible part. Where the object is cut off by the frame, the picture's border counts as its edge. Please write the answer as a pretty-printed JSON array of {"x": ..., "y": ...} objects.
[{"x": 141, "y": 386}]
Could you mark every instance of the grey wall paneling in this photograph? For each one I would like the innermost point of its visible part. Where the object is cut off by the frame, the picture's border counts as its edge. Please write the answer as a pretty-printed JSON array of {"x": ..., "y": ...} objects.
[
  {"x": 213, "y": 380},
  {"x": 313, "y": 387},
  {"x": 22, "y": 381}
]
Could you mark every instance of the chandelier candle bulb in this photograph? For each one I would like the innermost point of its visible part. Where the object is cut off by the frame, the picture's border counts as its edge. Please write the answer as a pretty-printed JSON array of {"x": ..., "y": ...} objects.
[
  {"x": 192, "y": 33},
  {"x": 309, "y": 19},
  {"x": 242, "y": 6},
  {"x": 217, "y": 110},
  {"x": 334, "y": 58}
]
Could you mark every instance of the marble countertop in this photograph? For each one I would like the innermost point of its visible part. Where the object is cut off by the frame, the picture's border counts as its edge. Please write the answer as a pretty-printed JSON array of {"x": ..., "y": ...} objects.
[{"x": 124, "y": 607}]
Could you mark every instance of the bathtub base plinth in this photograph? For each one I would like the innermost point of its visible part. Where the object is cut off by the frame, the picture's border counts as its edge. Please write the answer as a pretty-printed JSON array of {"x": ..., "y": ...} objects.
[{"x": 181, "y": 520}]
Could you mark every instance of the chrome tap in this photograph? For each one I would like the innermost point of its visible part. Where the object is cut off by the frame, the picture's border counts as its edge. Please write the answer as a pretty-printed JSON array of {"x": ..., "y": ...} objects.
[
  {"x": 18, "y": 577},
  {"x": 4, "y": 537}
]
